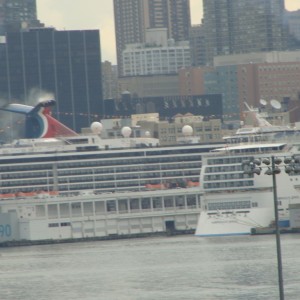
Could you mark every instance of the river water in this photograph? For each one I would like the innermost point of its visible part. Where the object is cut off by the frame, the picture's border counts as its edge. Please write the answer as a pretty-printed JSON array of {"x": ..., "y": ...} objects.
[{"x": 165, "y": 268}]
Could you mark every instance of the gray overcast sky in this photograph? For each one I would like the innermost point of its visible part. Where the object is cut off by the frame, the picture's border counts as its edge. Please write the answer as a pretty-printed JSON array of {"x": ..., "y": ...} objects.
[{"x": 98, "y": 14}]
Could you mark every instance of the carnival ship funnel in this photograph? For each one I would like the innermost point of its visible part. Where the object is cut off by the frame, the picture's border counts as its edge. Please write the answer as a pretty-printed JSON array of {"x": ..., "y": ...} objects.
[{"x": 39, "y": 122}]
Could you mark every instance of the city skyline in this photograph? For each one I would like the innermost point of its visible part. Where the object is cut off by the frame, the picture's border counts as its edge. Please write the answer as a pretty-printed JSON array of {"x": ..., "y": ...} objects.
[{"x": 56, "y": 13}]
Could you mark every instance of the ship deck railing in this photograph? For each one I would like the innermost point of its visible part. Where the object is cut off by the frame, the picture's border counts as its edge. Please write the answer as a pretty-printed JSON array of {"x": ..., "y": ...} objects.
[
  {"x": 236, "y": 190},
  {"x": 279, "y": 145}
]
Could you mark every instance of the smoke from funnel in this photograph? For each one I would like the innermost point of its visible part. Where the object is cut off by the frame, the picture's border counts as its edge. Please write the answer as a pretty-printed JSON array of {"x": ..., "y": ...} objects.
[{"x": 37, "y": 95}]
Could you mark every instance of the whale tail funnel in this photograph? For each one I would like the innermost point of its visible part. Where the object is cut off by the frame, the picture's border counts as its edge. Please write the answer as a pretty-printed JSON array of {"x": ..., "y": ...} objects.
[{"x": 39, "y": 123}]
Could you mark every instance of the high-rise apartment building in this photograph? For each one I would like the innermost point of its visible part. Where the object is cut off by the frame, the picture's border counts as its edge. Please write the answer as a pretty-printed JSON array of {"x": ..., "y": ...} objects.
[
  {"x": 171, "y": 14},
  {"x": 243, "y": 26},
  {"x": 133, "y": 17},
  {"x": 109, "y": 80},
  {"x": 129, "y": 25},
  {"x": 197, "y": 46},
  {"x": 293, "y": 20},
  {"x": 17, "y": 14}
]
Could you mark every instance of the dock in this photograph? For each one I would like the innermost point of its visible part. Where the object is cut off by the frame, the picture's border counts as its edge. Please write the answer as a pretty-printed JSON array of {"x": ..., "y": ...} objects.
[{"x": 272, "y": 230}]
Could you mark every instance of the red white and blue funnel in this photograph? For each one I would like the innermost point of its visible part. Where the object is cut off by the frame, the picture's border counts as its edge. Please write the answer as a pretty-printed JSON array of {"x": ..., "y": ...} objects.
[{"x": 39, "y": 122}]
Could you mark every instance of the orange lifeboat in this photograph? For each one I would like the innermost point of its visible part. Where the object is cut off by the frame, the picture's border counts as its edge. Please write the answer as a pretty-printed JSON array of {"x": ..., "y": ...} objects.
[
  {"x": 30, "y": 194},
  {"x": 158, "y": 186},
  {"x": 10, "y": 195},
  {"x": 193, "y": 183},
  {"x": 27, "y": 194},
  {"x": 53, "y": 193},
  {"x": 20, "y": 194}
]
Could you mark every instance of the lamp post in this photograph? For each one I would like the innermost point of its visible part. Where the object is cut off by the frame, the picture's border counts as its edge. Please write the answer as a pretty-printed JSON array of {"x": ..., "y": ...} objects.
[
  {"x": 278, "y": 244},
  {"x": 253, "y": 168}
]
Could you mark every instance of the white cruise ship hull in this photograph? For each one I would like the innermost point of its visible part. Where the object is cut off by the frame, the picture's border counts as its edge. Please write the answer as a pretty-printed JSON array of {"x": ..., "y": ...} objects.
[
  {"x": 233, "y": 222},
  {"x": 258, "y": 214}
]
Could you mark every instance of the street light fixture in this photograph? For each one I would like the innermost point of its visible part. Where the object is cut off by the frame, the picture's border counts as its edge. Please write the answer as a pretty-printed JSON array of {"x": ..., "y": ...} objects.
[
  {"x": 275, "y": 170},
  {"x": 291, "y": 166}
]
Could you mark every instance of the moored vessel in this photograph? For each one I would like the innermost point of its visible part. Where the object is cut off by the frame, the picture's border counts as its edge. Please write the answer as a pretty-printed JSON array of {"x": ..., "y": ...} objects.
[
  {"x": 235, "y": 201},
  {"x": 58, "y": 185}
]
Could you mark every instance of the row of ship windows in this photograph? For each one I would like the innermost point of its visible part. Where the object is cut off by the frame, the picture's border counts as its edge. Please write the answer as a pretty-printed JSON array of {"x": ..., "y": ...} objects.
[
  {"x": 156, "y": 153},
  {"x": 64, "y": 224},
  {"x": 81, "y": 176},
  {"x": 223, "y": 169},
  {"x": 29, "y": 175},
  {"x": 229, "y": 205},
  {"x": 127, "y": 184},
  {"x": 103, "y": 180},
  {"x": 229, "y": 160},
  {"x": 186, "y": 168},
  {"x": 218, "y": 185},
  {"x": 141, "y": 169},
  {"x": 226, "y": 176},
  {"x": 165, "y": 163},
  {"x": 136, "y": 174},
  {"x": 138, "y": 178}
]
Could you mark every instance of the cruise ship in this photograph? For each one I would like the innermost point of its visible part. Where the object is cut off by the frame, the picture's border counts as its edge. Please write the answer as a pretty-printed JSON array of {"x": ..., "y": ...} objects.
[
  {"x": 58, "y": 185},
  {"x": 234, "y": 201}
]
